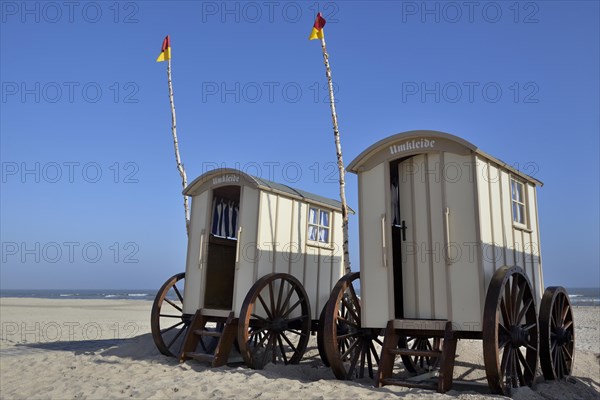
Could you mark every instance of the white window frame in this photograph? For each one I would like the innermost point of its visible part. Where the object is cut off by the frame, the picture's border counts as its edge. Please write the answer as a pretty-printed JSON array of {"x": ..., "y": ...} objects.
[
  {"x": 519, "y": 203},
  {"x": 318, "y": 226}
]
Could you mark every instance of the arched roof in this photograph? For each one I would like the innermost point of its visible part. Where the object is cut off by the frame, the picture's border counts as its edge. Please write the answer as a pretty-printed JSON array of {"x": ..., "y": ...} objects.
[
  {"x": 229, "y": 176},
  {"x": 422, "y": 141}
]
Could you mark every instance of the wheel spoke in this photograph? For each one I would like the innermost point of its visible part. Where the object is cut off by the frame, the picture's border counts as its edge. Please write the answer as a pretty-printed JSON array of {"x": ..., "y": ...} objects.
[
  {"x": 529, "y": 326},
  {"x": 503, "y": 343},
  {"x": 272, "y": 299},
  {"x": 567, "y": 325},
  {"x": 262, "y": 301},
  {"x": 278, "y": 309},
  {"x": 347, "y": 335},
  {"x": 350, "y": 348},
  {"x": 525, "y": 363},
  {"x": 505, "y": 359},
  {"x": 289, "y": 342},
  {"x": 518, "y": 290},
  {"x": 259, "y": 317},
  {"x": 174, "y": 305},
  {"x": 285, "y": 360},
  {"x": 565, "y": 311},
  {"x": 178, "y": 293},
  {"x": 176, "y": 337},
  {"x": 524, "y": 311},
  {"x": 344, "y": 320},
  {"x": 354, "y": 297},
  {"x": 518, "y": 370},
  {"x": 163, "y": 331},
  {"x": 375, "y": 355},
  {"x": 296, "y": 332},
  {"x": 507, "y": 300},
  {"x": 353, "y": 363},
  {"x": 286, "y": 302},
  {"x": 169, "y": 316},
  {"x": 504, "y": 312},
  {"x": 369, "y": 360},
  {"x": 292, "y": 308},
  {"x": 350, "y": 308}
]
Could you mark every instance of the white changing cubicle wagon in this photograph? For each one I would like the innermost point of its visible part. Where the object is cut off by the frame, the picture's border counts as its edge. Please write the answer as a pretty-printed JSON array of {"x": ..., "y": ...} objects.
[
  {"x": 262, "y": 259},
  {"x": 449, "y": 248}
]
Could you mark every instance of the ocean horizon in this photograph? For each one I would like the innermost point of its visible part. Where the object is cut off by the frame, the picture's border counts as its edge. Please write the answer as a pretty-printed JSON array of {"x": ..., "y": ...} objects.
[{"x": 579, "y": 296}]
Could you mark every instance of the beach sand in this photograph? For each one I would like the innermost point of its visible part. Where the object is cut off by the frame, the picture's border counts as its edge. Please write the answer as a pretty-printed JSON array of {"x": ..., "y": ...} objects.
[{"x": 71, "y": 349}]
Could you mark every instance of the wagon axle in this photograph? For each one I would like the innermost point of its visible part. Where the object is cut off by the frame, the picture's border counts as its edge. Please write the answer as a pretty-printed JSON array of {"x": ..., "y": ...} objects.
[
  {"x": 562, "y": 336},
  {"x": 519, "y": 336}
]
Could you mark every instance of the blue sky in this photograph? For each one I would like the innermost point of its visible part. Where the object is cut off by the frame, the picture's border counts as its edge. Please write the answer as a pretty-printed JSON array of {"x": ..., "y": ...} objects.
[{"x": 90, "y": 194}]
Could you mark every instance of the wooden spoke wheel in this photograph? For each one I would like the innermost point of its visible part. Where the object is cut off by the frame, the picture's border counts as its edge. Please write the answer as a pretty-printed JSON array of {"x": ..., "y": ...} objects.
[
  {"x": 168, "y": 322},
  {"x": 349, "y": 347},
  {"x": 275, "y": 320},
  {"x": 510, "y": 331},
  {"x": 419, "y": 364},
  {"x": 557, "y": 334}
]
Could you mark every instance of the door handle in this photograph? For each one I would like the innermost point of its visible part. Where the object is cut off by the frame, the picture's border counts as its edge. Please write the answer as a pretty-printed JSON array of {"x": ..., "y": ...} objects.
[
  {"x": 403, "y": 229},
  {"x": 237, "y": 247},
  {"x": 383, "y": 242}
]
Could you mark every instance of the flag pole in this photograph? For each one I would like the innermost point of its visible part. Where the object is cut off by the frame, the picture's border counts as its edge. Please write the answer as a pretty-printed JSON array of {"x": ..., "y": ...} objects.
[
  {"x": 180, "y": 166},
  {"x": 340, "y": 161}
]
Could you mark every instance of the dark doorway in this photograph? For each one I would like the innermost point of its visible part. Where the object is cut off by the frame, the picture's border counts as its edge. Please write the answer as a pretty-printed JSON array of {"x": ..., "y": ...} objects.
[{"x": 220, "y": 268}]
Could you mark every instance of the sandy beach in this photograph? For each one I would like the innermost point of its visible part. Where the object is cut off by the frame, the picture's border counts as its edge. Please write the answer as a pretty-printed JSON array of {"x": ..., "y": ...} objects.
[{"x": 66, "y": 349}]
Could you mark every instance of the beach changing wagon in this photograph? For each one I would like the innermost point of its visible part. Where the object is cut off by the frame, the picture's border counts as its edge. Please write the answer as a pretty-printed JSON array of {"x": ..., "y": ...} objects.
[
  {"x": 449, "y": 249},
  {"x": 262, "y": 259}
]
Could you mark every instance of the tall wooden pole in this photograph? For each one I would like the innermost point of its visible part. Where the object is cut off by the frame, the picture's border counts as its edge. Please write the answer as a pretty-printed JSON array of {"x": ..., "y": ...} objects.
[
  {"x": 340, "y": 161},
  {"x": 180, "y": 167}
]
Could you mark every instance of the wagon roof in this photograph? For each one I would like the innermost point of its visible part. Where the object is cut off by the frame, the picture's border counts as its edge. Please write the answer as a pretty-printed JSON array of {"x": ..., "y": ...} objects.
[
  {"x": 263, "y": 184},
  {"x": 382, "y": 147}
]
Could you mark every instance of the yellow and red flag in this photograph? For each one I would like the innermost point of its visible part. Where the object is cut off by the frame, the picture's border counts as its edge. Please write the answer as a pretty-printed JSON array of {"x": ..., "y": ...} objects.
[
  {"x": 317, "y": 31},
  {"x": 165, "y": 53}
]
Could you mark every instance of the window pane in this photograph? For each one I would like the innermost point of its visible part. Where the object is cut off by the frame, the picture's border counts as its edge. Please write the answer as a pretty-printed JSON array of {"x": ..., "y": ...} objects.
[
  {"x": 312, "y": 216},
  {"x": 522, "y": 214},
  {"x": 312, "y": 232},
  {"x": 324, "y": 235},
  {"x": 513, "y": 189},
  {"x": 324, "y": 220}
]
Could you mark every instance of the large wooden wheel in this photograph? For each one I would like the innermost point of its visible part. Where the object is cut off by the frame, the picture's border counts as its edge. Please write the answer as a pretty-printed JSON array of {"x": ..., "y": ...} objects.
[
  {"x": 349, "y": 347},
  {"x": 275, "y": 320},
  {"x": 168, "y": 322},
  {"x": 557, "y": 334},
  {"x": 418, "y": 364},
  {"x": 510, "y": 327}
]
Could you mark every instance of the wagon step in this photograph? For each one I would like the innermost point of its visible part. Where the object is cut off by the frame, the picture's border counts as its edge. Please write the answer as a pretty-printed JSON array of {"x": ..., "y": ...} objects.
[
  {"x": 409, "y": 384},
  {"x": 421, "y": 329},
  {"x": 198, "y": 333},
  {"x": 202, "y": 332},
  {"x": 209, "y": 358},
  {"x": 418, "y": 353}
]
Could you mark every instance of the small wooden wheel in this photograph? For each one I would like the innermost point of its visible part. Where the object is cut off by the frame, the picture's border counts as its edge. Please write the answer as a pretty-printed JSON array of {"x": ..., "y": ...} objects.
[
  {"x": 557, "y": 334},
  {"x": 349, "y": 347},
  {"x": 274, "y": 324},
  {"x": 169, "y": 325},
  {"x": 510, "y": 326},
  {"x": 418, "y": 364}
]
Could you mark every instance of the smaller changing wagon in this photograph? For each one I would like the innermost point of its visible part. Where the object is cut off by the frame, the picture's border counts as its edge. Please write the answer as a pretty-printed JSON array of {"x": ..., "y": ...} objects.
[{"x": 262, "y": 259}]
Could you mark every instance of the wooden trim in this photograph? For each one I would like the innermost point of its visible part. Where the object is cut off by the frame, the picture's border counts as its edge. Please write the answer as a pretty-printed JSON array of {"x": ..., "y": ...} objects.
[{"x": 477, "y": 211}]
